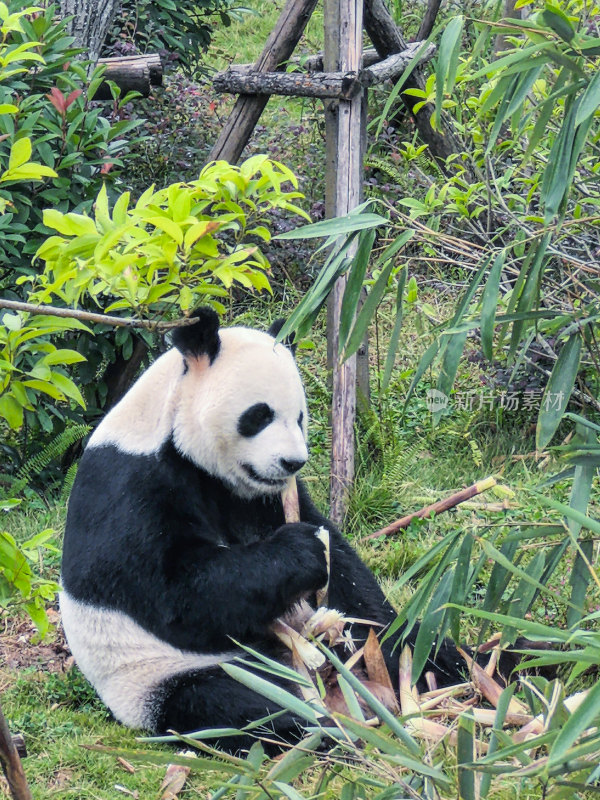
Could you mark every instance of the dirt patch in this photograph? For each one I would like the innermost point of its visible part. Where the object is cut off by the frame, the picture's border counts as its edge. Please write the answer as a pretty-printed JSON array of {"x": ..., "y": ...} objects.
[{"x": 20, "y": 646}]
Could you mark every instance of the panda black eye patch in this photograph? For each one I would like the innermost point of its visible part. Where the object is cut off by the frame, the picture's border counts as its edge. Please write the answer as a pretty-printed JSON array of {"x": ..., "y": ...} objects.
[{"x": 255, "y": 419}]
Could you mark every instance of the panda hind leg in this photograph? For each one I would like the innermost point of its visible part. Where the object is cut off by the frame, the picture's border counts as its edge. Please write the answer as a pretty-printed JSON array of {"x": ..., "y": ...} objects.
[{"x": 209, "y": 698}]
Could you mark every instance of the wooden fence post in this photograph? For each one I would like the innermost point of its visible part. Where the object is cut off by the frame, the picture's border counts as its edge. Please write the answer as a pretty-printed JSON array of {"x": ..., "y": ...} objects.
[{"x": 344, "y": 170}]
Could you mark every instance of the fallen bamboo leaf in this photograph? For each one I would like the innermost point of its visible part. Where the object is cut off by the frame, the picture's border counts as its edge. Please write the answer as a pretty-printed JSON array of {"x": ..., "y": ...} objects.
[
  {"x": 536, "y": 726},
  {"x": 174, "y": 781},
  {"x": 488, "y": 686},
  {"x": 126, "y": 765},
  {"x": 409, "y": 704},
  {"x": 377, "y": 670}
]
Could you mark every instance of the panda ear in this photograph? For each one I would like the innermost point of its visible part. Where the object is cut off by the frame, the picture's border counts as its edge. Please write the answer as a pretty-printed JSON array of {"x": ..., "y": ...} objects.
[
  {"x": 289, "y": 340},
  {"x": 200, "y": 338}
]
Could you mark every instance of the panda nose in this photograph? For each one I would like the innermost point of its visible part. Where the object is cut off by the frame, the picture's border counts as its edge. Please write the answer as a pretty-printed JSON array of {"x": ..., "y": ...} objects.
[{"x": 292, "y": 466}]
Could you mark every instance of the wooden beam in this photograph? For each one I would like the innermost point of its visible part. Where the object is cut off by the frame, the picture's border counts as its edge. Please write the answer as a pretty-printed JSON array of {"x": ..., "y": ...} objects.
[
  {"x": 278, "y": 49},
  {"x": 345, "y": 127},
  {"x": 293, "y": 84},
  {"x": 340, "y": 85},
  {"x": 312, "y": 63}
]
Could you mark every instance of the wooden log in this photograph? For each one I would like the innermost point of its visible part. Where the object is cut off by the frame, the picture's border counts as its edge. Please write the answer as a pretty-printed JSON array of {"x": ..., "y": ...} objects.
[
  {"x": 131, "y": 74},
  {"x": 294, "y": 84},
  {"x": 312, "y": 63},
  {"x": 340, "y": 85},
  {"x": 393, "y": 66},
  {"x": 11, "y": 764},
  {"x": 278, "y": 49},
  {"x": 345, "y": 135},
  {"x": 387, "y": 38}
]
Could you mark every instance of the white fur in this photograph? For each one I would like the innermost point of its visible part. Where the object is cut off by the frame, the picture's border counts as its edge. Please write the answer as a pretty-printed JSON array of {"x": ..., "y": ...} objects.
[
  {"x": 124, "y": 662},
  {"x": 202, "y": 406}
]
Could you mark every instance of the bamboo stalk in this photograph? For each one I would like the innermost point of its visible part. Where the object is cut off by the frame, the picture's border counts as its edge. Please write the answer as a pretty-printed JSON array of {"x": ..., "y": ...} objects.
[{"x": 435, "y": 508}]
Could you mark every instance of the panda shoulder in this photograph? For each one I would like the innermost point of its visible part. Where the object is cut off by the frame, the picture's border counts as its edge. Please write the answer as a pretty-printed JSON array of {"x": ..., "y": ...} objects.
[{"x": 143, "y": 419}]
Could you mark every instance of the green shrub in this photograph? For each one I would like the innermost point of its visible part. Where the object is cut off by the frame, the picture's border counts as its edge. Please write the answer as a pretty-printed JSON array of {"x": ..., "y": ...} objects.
[
  {"x": 41, "y": 78},
  {"x": 180, "y": 32}
]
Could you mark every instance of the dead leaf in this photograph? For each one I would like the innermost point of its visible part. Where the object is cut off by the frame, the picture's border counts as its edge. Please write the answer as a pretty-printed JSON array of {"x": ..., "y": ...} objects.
[
  {"x": 377, "y": 670},
  {"x": 174, "y": 781}
]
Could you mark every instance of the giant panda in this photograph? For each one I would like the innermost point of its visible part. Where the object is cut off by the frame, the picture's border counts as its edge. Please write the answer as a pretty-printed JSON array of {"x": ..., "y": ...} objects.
[{"x": 176, "y": 543}]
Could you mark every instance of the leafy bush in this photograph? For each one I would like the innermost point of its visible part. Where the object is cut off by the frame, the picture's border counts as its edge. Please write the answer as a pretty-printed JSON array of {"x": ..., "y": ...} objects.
[
  {"x": 179, "y": 31},
  {"x": 48, "y": 89},
  {"x": 19, "y": 585},
  {"x": 174, "y": 247}
]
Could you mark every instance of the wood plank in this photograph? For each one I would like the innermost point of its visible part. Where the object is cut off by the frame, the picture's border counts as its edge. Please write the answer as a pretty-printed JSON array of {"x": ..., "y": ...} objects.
[{"x": 278, "y": 49}]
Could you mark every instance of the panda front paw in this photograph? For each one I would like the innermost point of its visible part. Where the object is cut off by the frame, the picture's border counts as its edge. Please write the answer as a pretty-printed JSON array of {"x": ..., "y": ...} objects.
[{"x": 307, "y": 559}]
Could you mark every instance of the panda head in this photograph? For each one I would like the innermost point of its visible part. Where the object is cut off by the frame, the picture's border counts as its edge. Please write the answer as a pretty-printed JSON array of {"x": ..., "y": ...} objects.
[{"x": 240, "y": 411}]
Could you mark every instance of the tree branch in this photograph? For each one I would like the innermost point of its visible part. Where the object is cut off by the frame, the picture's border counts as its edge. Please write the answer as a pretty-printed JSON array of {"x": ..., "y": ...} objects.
[{"x": 103, "y": 319}]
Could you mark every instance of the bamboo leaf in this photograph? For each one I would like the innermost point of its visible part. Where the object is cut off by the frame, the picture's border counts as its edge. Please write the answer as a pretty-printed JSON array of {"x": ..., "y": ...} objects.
[
  {"x": 429, "y": 629},
  {"x": 578, "y": 722},
  {"x": 354, "y": 284},
  {"x": 272, "y": 692},
  {"x": 489, "y": 302},
  {"x": 579, "y": 580},
  {"x": 465, "y": 754},
  {"x": 351, "y": 223},
  {"x": 447, "y": 63},
  {"x": 395, "y": 335},
  {"x": 367, "y": 311},
  {"x": 453, "y": 352},
  {"x": 426, "y": 361},
  {"x": 560, "y": 385},
  {"x": 590, "y": 100}
]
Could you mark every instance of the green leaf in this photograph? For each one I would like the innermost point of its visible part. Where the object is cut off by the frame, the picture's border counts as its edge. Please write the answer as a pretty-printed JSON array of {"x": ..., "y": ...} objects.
[
  {"x": 275, "y": 693},
  {"x": 20, "y": 153},
  {"x": 556, "y": 19},
  {"x": 429, "y": 629},
  {"x": 579, "y": 721},
  {"x": 447, "y": 63},
  {"x": 590, "y": 100},
  {"x": 489, "y": 302},
  {"x": 395, "y": 335},
  {"x": 367, "y": 312},
  {"x": 558, "y": 390},
  {"x": 335, "y": 227},
  {"x": 354, "y": 284},
  {"x": 465, "y": 754},
  {"x": 11, "y": 411}
]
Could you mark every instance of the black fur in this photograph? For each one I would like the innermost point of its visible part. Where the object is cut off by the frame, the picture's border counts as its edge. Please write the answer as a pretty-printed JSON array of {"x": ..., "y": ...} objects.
[
  {"x": 254, "y": 419},
  {"x": 201, "y": 338}
]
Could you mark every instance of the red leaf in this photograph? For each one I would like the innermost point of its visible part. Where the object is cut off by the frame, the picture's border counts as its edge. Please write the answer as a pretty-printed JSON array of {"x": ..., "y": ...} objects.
[
  {"x": 57, "y": 99},
  {"x": 73, "y": 96},
  {"x": 106, "y": 168}
]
